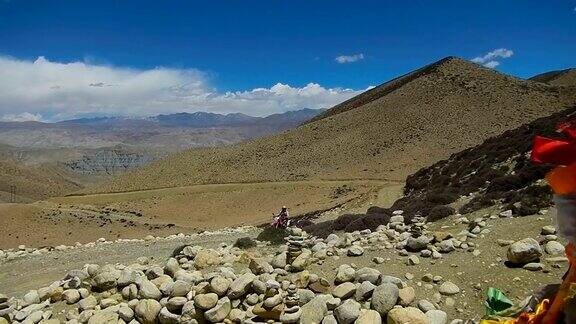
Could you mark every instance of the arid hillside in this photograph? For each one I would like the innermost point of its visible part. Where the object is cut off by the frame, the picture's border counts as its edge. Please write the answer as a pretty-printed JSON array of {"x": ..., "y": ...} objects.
[
  {"x": 386, "y": 133},
  {"x": 33, "y": 183},
  {"x": 565, "y": 77}
]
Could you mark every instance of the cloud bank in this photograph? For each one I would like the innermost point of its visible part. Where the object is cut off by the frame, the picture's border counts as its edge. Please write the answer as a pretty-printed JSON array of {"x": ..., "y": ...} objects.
[
  {"x": 491, "y": 59},
  {"x": 42, "y": 89},
  {"x": 349, "y": 58}
]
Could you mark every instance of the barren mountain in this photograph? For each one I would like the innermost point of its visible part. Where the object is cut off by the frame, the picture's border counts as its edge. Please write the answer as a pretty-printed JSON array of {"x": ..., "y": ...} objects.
[
  {"x": 33, "y": 182},
  {"x": 565, "y": 77},
  {"x": 385, "y": 133},
  {"x": 51, "y": 159}
]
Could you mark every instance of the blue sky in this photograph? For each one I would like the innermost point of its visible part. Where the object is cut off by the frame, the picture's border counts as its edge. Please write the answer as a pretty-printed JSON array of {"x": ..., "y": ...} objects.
[{"x": 239, "y": 46}]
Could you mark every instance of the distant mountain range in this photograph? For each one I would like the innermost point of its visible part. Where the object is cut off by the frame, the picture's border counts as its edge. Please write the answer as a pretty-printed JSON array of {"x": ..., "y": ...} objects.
[
  {"x": 198, "y": 119},
  {"x": 82, "y": 151}
]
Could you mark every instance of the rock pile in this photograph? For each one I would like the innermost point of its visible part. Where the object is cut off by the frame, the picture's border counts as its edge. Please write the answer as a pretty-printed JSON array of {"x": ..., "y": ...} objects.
[
  {"x": 23, "y": 251},
  {"x": 199, "y": 285},
  {"x": 297, "y": 254}
]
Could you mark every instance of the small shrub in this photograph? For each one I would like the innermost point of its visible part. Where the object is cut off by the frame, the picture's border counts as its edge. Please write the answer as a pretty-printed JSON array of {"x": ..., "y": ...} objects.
[
  {"x": 378, "y": 210},
  {"x": 442, "y": 198},
  {"x": 370, "y": 221},
  {"x": 475, "y": 204},
  {"x": 505, "y": 183},
  {"x": 321, "y": 230},
  {"x": 245, "y": 243},
  {"x": 342, "y": 221},
  {"x": 273, "y": 235},
  {"x": 439, "y": 212}
]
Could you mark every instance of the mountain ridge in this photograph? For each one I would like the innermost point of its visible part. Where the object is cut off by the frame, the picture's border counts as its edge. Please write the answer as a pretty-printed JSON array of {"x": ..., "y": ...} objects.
[{"x": 454, "y": 105}]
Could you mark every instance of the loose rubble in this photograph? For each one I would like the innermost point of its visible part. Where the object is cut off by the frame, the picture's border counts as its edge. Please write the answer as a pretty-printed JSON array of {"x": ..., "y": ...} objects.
[{"x": 201, "y": 285}]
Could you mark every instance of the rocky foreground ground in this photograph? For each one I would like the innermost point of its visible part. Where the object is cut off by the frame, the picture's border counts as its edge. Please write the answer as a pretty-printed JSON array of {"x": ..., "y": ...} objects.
[{"x": 418, "y": 273}]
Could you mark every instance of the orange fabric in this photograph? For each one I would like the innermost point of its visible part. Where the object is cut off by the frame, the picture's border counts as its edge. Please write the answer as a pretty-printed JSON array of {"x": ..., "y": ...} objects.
[
  {"x": 557, "y": 306},
  {"x": 556, "y": 151},
  {"x": 563, "y": 180}
]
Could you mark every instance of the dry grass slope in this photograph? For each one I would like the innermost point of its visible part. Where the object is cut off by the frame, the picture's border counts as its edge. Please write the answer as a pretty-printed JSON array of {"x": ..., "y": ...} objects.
[
  {"x": 417, "y": 120},
  {"x": 33, "y": 183},
  {"x": 565, "y": 77}
]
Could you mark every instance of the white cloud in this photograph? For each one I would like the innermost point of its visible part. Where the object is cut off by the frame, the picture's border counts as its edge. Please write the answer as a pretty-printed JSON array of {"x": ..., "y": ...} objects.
[
  {"x": 490, "y": 59},
  {"x": 57, "y": 91},
  {"x": 349, "y": 58},
  {"x": 25, "y": 116}
]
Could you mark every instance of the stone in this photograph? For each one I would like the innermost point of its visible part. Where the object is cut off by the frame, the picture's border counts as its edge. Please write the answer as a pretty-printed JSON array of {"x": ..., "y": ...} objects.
[
  {"x": 446, "y": 246},
  {"x": 175, "y": 304},
  {"x": 125, "y": 313},
  {"x": 259, "y": 266},
  {"x": 206, "y": 258},
  {"x": 31, "y": 297},
  {"x": 384, "y": 297},
  {"x": 448, "y": 289},
  {"x": 220, "y": 311},
  {"x": 415, "y": 244},
  {"x": 167, "y": 317},
  {"x": 330, "y": 319},
  {"x": 378, "y": 260},
  {"x": 548, "y": 230},
  {"x": 410, "y": 315},
  {"x": 369, "y": 316},
  {"x": 103, "y": 317},
  {"x": 355, "y": 250},
  {"x": 237, "y": 315},
  {"x": 347, "y": 312},
  {"x": 71, "y": 296},
  {"x": 554, "y": 248},
  {"x": 314, "y": 311},
  {"x": 241, "y": 285},
  {"x": 279, "y": 261},
  {"x": 344, "y": 290},
  {"x": 364, "y": 290},
  {"x": 205, "y": 301},
  {"x": 147, "y": 310},
  {"x": 368, "y": 274},
  {"x": 437, "y": 316},
  {"x": 533, "y": 266},
  {"x": 301, "y": 261},
  {"x": 524, "y": 251},
  {"x": 219, "y": 285},
  {"x": 425, "y": 305},
  {"x": 406, "y": 296},
  {"x": 105, "y": 280},
  {"x": 148, "y": 290},
  {"x": 413, "y": 260},
  {"x": 271, "y": 314},
  {"x": 88, "y": 303},
  {"x": 345, "y": 273}
]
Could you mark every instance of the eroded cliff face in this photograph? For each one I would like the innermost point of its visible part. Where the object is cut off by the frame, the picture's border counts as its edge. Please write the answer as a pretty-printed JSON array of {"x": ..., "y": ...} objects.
[{"x": 109, "y": 162}]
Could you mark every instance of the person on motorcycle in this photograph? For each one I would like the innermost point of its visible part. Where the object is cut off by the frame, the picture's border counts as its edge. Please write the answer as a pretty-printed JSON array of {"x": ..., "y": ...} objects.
[{"x": 281, "y": 220}]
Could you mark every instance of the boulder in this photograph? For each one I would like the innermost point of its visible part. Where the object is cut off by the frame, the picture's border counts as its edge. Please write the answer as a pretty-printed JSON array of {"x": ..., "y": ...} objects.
[
  {"x": 220, "y": 311},
  {"x": 104, "y": 317},
  {"x": 368, "y": 316},
  {"x": 410, "y": 315},
  {"x": 524, "y": 251},
  {"x": 384, "y": 297},
  {"x": 347, "y": 312},
  {"x": 147, "y": 311}
]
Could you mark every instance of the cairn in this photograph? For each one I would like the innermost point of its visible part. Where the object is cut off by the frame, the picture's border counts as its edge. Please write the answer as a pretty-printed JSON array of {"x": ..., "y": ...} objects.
[
  {"x": 296, "y": 240},
  {"x": 292, "y": 310},
  {"x": 417, "y": 227}
]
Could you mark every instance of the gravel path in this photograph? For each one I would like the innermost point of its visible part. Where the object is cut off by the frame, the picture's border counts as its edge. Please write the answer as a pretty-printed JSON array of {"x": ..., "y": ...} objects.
[{"x": 31, "y": 272}]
